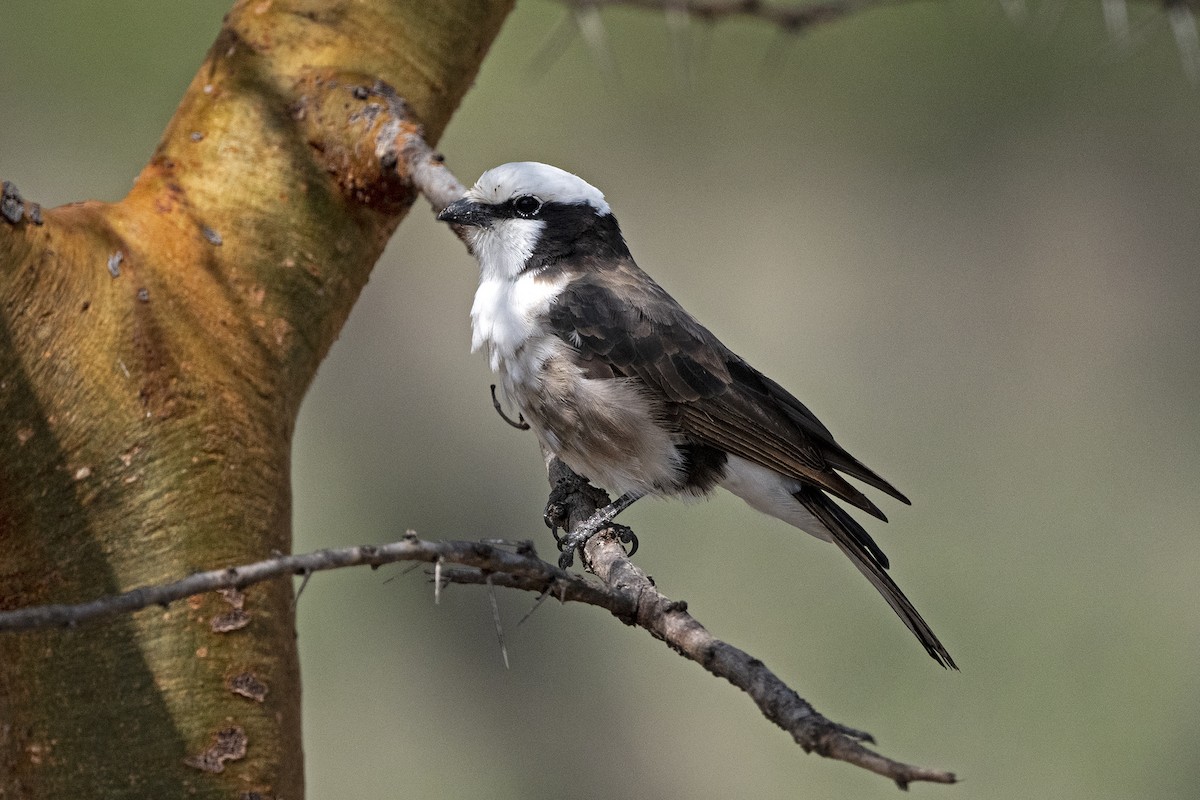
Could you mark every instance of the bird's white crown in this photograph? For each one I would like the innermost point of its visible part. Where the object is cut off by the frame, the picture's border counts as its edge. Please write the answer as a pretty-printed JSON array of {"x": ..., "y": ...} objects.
[{"x": 548, "y": 184}]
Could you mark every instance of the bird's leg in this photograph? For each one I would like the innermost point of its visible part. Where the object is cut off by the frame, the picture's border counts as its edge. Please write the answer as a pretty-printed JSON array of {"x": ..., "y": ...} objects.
[{"x": 593, "y": 525}]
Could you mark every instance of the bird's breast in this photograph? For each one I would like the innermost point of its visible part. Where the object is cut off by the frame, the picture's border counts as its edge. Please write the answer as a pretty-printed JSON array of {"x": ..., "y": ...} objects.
[
  {"x": 610, "y": 430},
  {"x": 506, "y": 317}
]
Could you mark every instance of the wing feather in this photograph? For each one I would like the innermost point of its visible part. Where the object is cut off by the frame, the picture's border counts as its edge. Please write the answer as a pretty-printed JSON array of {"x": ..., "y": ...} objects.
[{"x": 619, "y": 316}]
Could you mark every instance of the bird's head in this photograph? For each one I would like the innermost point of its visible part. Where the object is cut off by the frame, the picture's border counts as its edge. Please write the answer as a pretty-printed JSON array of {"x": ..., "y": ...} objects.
[{"x": 526, "y": 215}]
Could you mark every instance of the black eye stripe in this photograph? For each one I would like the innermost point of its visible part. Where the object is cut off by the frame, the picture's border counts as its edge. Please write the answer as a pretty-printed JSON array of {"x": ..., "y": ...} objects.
[{"x": 548, "y": 211}]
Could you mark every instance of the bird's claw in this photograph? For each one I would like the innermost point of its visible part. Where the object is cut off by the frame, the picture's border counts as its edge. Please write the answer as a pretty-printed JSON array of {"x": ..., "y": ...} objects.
[
  {"x": 625, "y": 535},
  {"x": 555, "y": 516},
  {"x": 568, "y": 544},
  {"x": 576, "y": 539}
]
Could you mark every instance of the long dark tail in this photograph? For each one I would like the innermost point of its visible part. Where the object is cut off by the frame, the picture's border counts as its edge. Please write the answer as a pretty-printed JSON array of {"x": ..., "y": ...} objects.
[{"x": 857, "y": 544}]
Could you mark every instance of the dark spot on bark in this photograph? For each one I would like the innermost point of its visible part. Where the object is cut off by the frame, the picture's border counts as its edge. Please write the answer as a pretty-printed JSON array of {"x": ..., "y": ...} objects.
[
  {"x": 228, "y": 744},
  {"x": 11, "y": 204},
  {"x": 230, "y": 621},
  {"x": 247, "y": 685}
]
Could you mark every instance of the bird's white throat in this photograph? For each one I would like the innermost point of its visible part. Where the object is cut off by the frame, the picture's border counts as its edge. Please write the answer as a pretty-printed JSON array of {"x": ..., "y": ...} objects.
[{"x": 504, "y": 247}]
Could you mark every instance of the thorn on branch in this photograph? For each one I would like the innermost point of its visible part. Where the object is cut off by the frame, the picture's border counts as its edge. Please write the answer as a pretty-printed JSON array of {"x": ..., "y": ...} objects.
[
  {"x": 537, "y": 603},
  {"x": 1116, "y": 20},
  {"x": 303, "y": 584},
  {"x": 437, "y": 581},
  {"x": 404, "y": 571},
  {"x": 1187, "y": 39},
  {"x": 591, "y": 28},
  {"x": 496, "y": 619}
]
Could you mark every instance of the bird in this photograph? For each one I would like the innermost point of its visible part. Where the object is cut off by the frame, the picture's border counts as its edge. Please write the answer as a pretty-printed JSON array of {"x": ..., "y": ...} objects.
[{"x": 630, "y": 391}]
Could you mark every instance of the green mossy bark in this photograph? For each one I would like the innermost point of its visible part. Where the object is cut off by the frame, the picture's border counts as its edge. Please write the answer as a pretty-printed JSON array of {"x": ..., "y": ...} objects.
[{"x": 146, "y": 418}]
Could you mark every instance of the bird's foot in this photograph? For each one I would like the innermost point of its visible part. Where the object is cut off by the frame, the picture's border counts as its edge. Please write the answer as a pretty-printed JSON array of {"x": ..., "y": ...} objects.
[
  {"x": 576, "y": 539},
  {"x": 597, "y": 522}
]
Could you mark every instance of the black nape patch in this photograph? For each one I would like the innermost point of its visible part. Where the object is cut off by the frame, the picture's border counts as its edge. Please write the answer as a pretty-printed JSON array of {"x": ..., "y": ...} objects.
[
  {"x": 703, "y": 466},
  {"x": 575, "y": 232}
]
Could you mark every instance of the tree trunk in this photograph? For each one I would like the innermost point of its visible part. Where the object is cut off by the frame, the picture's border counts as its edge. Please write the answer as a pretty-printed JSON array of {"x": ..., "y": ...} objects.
[{"x": 153, "y": 356}]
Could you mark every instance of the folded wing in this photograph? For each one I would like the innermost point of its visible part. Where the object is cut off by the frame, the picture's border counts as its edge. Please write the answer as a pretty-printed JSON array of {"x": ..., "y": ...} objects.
[{"x": 622, "y": 323}]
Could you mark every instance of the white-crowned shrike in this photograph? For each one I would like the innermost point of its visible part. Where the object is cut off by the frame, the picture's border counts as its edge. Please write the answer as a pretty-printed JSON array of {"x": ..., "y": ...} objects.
[{"x": 629, "y": 390}]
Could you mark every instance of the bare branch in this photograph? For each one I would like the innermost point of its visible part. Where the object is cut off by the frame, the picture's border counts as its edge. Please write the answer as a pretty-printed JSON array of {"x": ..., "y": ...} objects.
[
  {"x": 798, "y": 17},
  {"x": 475, "y": 554},
  {"x": 627, "y": 593},
  {"x": 789, "y": 18}
]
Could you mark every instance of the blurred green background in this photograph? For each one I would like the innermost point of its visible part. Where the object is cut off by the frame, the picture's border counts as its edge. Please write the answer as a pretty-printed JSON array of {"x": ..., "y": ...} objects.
[{"x": 969, "y": 244}]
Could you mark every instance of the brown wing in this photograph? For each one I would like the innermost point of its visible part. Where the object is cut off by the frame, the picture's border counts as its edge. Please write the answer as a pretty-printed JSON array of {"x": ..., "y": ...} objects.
[{"x": 621, "y": 319}]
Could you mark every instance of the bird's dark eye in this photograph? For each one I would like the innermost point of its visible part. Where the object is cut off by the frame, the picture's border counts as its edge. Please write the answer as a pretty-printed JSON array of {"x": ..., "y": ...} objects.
[{"x": 527, "y": 206}]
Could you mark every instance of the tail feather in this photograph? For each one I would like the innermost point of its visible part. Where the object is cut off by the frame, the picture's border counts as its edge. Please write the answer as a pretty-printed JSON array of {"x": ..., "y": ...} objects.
[{"x": 850, "y": 537}]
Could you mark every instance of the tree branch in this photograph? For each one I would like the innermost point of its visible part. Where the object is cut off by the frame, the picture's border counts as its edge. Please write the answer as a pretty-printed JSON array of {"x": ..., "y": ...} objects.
[
  {"x": 481, "y": 555},
  {"x": 790, "y": 18},
  {"x": 627, "y": 593}
]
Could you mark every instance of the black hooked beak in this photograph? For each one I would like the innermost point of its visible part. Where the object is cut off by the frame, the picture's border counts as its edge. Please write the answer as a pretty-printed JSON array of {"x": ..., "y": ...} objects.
[{"x": 467, "y": 212}]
